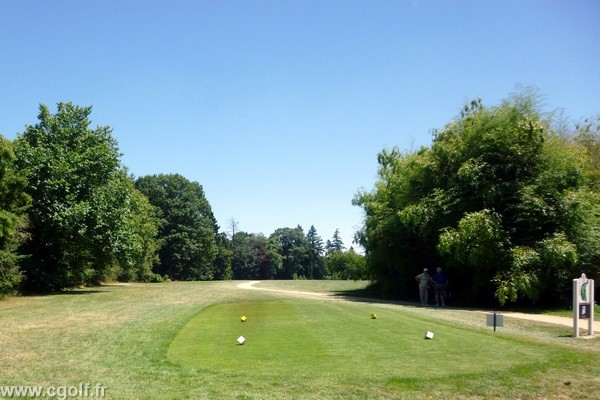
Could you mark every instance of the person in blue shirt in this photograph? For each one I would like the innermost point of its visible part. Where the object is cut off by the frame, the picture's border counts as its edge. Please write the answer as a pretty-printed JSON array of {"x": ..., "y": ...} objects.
[{"x": 440, "y": 283}]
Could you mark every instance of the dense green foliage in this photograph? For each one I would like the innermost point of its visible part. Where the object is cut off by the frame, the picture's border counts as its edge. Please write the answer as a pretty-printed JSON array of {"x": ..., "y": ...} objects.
[
  {"x": 507, "y": 206},
  {"x": 223, "y": 267},
  {"x": 188, "y": 231},
  {"x": 290, "y": 254},
  {"x": 13, "y": 204},
  {"x": 84, "y": 213},
  {"x": 255, "y": 256},
  {"x": 302, "y": 254},
  {"x": 136, "y": 230},
  {"x": 346, "y": 265},
  {"x": 295, "y": 250}
]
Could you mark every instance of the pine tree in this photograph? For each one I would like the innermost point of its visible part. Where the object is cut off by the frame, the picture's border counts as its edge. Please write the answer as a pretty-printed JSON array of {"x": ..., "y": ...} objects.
[
  {"x": 336, "y": 243},
  {"x": 315, "y": 266}
]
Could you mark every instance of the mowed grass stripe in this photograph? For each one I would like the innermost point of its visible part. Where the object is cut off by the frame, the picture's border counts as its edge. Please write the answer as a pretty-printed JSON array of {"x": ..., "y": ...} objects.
[
  {"x": 276, "y": 338},
  {"x": 324, "y": 338}
]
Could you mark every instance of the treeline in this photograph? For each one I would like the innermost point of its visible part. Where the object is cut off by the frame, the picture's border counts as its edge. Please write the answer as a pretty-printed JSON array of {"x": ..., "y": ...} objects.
[
  {"x": 288, "y": 253},
  {"x": 71, "y": 215},
  {"x": 506, "y": 200}
]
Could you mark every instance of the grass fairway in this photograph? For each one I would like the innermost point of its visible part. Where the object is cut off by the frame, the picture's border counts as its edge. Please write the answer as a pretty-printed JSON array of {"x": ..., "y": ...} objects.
[{"x": 178, "y": 341}]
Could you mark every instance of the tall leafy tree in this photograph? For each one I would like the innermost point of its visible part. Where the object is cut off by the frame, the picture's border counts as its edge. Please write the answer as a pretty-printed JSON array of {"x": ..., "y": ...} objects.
[
  {"x": 68, "y": 165},
  {"x": 189, "y": 231},
  {"x": 244, "y": 263},
  {"x": 271, "y": 264},
  {"x": 136, "y": 233},
  {"x": 584, "y": 210},
  {"x": 13, "y": 204},
  {"x": 499, "y": 199},
  {"x": 223, "y": 262}
]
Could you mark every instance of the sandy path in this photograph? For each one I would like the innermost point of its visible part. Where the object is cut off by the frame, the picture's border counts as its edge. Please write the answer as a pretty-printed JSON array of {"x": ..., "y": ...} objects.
[
  {"x": 551, "y": 319},
  {"x": 250, "y": 285}
]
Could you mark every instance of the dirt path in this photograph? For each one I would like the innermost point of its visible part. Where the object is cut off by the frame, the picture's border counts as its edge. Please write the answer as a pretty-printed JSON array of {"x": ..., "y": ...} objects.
[
  {"x": 550, "y": 319},
  {"x": 250, "y": 285}
]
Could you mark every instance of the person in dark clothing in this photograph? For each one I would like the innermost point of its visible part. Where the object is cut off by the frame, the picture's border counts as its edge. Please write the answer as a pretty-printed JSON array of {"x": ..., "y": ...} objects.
[{"x": 440, "y": 283}]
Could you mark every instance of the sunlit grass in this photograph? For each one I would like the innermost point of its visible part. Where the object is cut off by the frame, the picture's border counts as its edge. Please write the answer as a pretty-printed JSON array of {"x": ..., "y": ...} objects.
[
  {"x": 333, "y": 339},
  {"x": 177, "y": 341}
]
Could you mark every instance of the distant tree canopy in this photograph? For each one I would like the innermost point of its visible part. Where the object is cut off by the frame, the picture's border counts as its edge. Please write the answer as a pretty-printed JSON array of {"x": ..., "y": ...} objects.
[
  {"x": 346, "y": 265},
  {"x": 290, "y": 254},
  {"x": 295, "y": 250},
  {"x": 508, "y": 207},
  {"x": 255, "y": 256},
  {"x": 188, "y": 229}
]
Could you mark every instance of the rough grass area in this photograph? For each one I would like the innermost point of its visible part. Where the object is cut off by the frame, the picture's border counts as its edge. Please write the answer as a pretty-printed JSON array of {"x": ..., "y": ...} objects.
[{"x": 177, "y": 341}]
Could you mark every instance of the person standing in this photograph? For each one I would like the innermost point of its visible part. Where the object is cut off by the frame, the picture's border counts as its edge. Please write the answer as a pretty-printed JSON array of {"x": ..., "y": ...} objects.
[
  {"x": 423, "y": 280},
  {"x": 440, "y": 283}
]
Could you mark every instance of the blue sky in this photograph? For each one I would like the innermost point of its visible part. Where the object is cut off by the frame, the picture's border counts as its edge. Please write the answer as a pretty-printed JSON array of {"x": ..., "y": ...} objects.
[{"x": 279, "y": 108}]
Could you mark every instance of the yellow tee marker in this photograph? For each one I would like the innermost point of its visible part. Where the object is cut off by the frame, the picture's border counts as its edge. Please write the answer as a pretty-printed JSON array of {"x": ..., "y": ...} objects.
[
  {"x": 243, "y": 319},
  {"x": 373, "y": 316}
]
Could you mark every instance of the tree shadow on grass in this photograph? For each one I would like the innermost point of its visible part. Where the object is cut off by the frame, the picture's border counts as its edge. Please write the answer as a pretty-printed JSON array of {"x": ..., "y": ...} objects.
[
  {"x": 82, "y": 290},
  {"x": 66, "y": 292},
  {"x": 76, "y": 292},
  {"x": 369, "y": 295}
]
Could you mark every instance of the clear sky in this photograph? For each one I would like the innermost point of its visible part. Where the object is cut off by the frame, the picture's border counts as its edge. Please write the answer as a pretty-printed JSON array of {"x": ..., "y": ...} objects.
[{"x": 279, "y": 108}]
